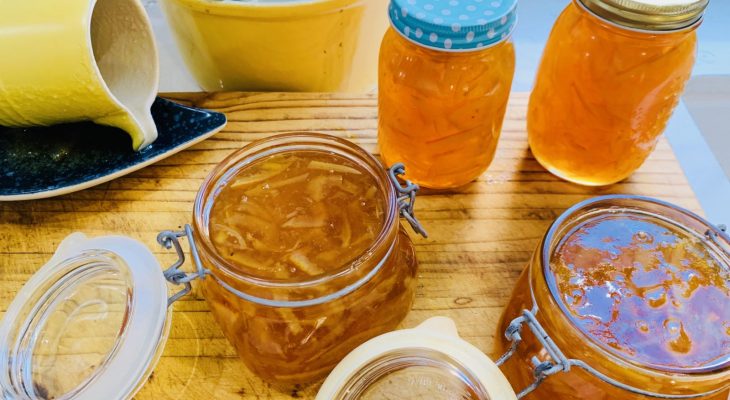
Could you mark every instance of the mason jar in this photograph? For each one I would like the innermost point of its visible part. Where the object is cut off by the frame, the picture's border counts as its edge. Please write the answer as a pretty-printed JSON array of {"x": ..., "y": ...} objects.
[
  {"x": 611, "y": 75},
  {"x": 430, "y": 361},
  {"x": 445, "y": 74}
]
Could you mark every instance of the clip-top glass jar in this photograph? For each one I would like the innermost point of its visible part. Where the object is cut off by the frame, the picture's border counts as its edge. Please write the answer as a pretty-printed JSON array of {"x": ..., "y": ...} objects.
[
  {"x": 611, "y": 75},
  {"x": 300, "y": 253},
  {"x": 445, "y": 75},
  {"x": 625, "y": 298},
  {"x": 306, "y": 256}
]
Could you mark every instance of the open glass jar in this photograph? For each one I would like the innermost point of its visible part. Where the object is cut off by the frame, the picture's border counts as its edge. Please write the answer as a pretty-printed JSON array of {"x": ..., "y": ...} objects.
[
  {"x": 324, "y": 299},
  {"x": 625, "y": 298},
  {"x": 92, "y": 322}
]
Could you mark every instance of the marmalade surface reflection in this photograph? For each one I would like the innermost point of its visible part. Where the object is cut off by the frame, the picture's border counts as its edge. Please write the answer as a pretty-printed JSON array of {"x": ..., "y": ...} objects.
[
  {"x": 634, "y": 288},
  {"x": 647, "y": 291}
]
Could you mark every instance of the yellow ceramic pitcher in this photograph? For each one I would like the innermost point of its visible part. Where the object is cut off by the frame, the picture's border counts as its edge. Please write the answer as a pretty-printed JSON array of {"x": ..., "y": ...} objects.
[{"x": 75, "y": 60}]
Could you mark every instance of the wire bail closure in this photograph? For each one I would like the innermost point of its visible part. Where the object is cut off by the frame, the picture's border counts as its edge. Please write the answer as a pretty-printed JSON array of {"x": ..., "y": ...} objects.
[
  {"x": 715, "y": 236},
  {"x": 173, "y": 274},
  {"x": 406, "y": 197},
  {"x": 557, "y": 361}
]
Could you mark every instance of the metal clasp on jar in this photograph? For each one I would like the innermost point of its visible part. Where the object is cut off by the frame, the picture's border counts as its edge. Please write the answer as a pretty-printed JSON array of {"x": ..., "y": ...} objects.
[
  {"x": 406, "y": 197},
  {"x": 168, "y": 239},
  {"x": 558, "y": 362},
  {"x": 717, "y": 236}
]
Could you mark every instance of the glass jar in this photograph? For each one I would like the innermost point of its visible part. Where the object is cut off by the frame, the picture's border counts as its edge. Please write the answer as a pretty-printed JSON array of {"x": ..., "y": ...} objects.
[
  {"x": 295, "y": 329},
  {"x": 93, "y": 321},
  {"x": 625, "y": 298},
  {"x": 445, "y": 75},
  {"x": 611, "y": 75}
]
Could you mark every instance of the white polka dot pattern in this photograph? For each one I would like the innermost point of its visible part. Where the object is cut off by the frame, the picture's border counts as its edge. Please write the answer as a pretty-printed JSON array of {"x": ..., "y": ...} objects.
[{"x": 454, "y": 25}]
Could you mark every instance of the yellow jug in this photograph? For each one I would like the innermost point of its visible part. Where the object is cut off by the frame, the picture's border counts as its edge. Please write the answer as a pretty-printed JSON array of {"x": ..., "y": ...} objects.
[{"x": 78, "y": 60}]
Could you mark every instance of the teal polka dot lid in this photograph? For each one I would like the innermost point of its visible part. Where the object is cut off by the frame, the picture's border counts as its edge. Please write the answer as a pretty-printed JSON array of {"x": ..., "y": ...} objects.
[{"x": 454, "y": 25}]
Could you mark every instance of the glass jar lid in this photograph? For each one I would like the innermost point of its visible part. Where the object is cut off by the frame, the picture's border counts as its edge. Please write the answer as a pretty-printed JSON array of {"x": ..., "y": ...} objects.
[
  {"x": 652, "y": 15},
  {"x": 429, "y": 361},
  {"x": 88, "y": 325}
]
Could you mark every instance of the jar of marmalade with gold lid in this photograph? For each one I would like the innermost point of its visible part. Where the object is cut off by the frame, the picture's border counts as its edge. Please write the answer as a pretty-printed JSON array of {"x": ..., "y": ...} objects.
[
  {"x": 611, "y": 75},
  {"x": 445, "y": 74}
]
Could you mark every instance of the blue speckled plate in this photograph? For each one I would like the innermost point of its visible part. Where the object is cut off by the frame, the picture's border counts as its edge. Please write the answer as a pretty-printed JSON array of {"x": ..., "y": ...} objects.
[{"x": 42, "y": 162}]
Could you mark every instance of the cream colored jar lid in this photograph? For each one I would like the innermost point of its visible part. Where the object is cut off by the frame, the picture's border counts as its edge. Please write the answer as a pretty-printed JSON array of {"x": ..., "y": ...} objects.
[
  {"x": 652, "y": 15},
  {"x": 429, "y": 361}
]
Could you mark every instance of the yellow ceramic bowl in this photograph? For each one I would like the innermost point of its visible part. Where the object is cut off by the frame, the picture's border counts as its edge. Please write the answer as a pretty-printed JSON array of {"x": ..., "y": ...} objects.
[{"x": 320, "y": 45}]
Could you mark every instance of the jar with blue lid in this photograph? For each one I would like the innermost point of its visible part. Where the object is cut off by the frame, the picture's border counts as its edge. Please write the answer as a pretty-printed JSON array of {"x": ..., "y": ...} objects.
[{"x": 445, "y": 74}]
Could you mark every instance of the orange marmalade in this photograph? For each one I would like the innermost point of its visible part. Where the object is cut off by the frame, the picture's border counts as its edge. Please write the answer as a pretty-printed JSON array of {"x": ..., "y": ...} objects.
[
  {"x": 296, "y": 216},
  {"x": 445, "y": 75},
  {"x": 646, "y": 291},
  {"x": 634, "y": 288},
  {"x": 604, "y": 93},
  {"x": 307, "y": 256}
]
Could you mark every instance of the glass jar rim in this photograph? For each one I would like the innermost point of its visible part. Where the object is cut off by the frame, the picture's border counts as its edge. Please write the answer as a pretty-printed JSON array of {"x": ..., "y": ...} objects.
[
  {"x": 548, "y": 245},
  {"x": 292, "y": 142}
]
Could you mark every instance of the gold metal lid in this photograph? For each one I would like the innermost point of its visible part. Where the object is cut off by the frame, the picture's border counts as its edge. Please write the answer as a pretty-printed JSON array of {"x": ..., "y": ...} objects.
[{"x": 652, "y": 15}]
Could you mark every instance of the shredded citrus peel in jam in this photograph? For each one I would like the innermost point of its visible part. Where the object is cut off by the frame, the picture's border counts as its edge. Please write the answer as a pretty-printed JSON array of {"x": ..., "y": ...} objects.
[
  {"x": 300, "y": 216},
  {"x": 603, "y": 95},
  {"x": 441, "y": 113},
  {"x": 649, "y": 291},
  {"x": 296, "y": 216}
]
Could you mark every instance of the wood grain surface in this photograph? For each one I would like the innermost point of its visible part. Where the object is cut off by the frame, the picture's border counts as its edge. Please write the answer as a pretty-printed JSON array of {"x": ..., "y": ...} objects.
[{"x": 480, "y": 236}]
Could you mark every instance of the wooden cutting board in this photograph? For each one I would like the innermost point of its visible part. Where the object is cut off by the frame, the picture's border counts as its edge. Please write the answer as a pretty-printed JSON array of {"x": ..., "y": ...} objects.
[{"x": 480, "y": 236}]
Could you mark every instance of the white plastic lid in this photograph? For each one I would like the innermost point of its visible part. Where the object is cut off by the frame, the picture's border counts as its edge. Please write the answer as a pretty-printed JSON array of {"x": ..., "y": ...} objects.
[
  {"x": 430, "y": 361},
  {"x": 89, "y": 325}
]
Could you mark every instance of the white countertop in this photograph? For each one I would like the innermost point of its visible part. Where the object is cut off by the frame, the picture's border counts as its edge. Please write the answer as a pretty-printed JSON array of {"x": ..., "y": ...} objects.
[{"x": 699, "y": 130}]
